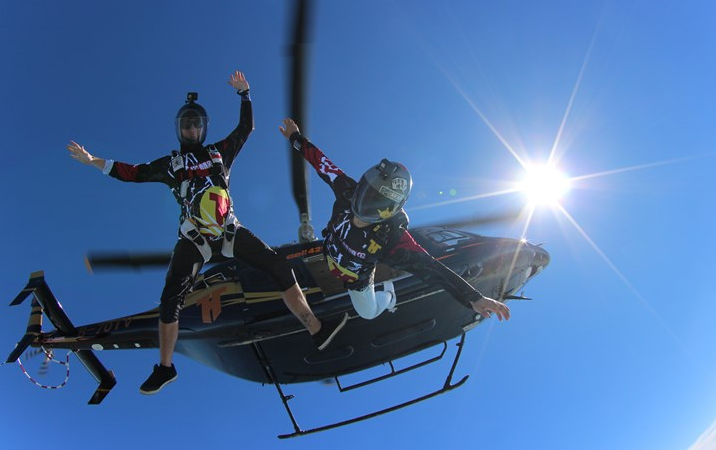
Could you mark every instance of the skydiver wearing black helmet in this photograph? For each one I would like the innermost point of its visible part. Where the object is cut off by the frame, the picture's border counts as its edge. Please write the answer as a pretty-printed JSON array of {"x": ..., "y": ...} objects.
[
  {"x": 368, "y": 225},
  {"x": 198, "y": 176}
]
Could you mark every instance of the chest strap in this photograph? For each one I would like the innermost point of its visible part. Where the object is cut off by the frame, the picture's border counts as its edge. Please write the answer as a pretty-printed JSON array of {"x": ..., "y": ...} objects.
[{"x": 180, "y": 172}]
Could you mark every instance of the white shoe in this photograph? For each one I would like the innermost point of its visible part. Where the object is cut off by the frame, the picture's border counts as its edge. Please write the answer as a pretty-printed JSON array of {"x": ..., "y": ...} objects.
[{"x": 388, "y": 287}]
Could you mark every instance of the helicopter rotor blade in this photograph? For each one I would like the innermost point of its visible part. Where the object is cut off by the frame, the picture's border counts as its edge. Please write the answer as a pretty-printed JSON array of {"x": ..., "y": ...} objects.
[
  {"x": 476, "y": 221},
  {"x": 125, "y": 260},
  {"x": 298, "y": 86}
]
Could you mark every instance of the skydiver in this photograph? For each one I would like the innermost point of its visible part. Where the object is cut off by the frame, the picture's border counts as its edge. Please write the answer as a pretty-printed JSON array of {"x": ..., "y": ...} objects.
[
  {"x": 198, "y": 176},
  {"x": 368, "y": 225}
]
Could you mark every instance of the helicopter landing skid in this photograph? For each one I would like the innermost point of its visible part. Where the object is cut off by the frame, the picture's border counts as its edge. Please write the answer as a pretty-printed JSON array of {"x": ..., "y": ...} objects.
[{"x": 447, "y": 386}]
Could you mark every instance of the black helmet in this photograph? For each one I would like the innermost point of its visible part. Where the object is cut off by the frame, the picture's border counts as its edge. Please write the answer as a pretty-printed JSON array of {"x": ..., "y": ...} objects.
[
  {"x": 191, "y": 114},
  {"x": 381, "y": 192}
]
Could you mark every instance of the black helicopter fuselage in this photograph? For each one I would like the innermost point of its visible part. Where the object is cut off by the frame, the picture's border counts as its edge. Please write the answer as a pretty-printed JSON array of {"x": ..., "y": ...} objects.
[{"x": 233, "y": 305}]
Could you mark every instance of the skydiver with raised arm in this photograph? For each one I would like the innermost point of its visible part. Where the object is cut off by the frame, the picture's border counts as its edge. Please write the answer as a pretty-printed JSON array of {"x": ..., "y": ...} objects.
[
  {"x": 368, "y": 225},
  {"x": 198, "y": 176}
]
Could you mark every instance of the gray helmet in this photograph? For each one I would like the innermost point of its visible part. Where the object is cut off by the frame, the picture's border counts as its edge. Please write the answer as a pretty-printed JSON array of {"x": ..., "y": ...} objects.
[
  {"x": 191, "y": 114},
  {"x": 381, "y": 192}
]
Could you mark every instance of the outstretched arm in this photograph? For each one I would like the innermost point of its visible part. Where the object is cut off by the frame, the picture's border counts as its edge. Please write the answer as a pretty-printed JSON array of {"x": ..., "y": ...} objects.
[
  {"x": 157, "y": 170},
  {"x": 78, "y": 153},
  {"x": 408, "y": 255},
  {"x": 325, "y": 168},
  {"x": 485, "y": 306}
]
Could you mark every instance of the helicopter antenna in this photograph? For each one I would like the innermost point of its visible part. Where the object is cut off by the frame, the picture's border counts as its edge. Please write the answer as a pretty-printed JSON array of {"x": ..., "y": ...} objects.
[{"x": 299, "y": 53}]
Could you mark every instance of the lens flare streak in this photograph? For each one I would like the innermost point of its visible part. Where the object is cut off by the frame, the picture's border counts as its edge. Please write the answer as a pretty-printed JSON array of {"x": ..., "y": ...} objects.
[
  {"x": 484, "y": 118},
  {"x": 572, "y": 96},
  {"x": 633, "y": 168},
  {"x": 522, "y": 241},
  {"x": 621, "y": 276}
]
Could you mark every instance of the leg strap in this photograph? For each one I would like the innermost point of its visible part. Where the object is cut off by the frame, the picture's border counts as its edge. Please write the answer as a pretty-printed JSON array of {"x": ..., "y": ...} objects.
[
  {"x": 188, "y": 230},
  {"x": 231, "y": 224}
]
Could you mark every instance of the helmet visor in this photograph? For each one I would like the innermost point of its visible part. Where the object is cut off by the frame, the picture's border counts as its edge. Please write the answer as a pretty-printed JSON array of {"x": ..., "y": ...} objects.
[
  {"x": 187, "y": 123},
  {"x": 191, "y": 127},
  {"x": 374, "y": 205}
]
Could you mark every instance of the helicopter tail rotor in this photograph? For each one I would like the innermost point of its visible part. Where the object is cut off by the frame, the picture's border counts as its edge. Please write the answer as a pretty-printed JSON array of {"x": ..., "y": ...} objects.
[
  {"x": 44, "y": 301},
  {"x": 44, "y": 365}
]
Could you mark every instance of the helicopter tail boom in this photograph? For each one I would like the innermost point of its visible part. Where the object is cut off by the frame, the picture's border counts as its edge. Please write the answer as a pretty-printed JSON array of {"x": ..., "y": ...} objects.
[{"x": 44, "y": 301}]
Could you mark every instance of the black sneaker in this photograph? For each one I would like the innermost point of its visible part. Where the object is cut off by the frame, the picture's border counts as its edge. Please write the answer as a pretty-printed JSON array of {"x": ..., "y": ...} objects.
[
  {"x": 329, "y": 330},
  {"x": 160, "y": 377}
]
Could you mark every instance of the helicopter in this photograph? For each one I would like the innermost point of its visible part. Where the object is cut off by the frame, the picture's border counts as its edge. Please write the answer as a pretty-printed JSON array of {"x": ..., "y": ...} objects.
[{"x": 234, "y": 319}]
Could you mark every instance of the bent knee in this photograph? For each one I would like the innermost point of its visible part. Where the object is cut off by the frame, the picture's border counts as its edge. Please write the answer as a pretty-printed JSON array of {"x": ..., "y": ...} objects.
[
  {"x": 368, "y": 315},
  {"x": 172, "y": 300},
  {"x": 367, "y": 312},
  {"x": 169, "y": 311},
  {"x": 282, "y": 274}
]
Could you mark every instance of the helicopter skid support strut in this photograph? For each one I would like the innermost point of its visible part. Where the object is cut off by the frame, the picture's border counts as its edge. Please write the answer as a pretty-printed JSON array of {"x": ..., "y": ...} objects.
[{"x": 447, "y": 386}]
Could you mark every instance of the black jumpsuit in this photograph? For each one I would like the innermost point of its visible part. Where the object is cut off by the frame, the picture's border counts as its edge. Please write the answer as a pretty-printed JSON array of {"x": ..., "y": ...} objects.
[
  {"x": 204, "y": 199},
  {"x": 352, "y": 252}
]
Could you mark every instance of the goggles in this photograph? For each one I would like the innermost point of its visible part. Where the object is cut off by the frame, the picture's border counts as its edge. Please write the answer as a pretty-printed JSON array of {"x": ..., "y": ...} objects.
[{"x": 194, "y": 122}]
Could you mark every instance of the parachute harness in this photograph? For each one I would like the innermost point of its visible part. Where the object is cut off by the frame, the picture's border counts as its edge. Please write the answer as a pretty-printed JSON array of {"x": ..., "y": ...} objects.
[{"x": 49, "y": 355}]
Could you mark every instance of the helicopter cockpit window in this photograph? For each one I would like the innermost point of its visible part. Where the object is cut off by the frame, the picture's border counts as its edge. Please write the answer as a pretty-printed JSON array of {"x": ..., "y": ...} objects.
[{"x": 447, "y": 238}]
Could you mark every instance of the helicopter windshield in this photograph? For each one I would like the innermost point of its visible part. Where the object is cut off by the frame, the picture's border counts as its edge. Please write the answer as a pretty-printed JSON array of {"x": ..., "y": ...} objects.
[
  {"x": 447, "y": 237},
  {"x": 441, "y": 239}
]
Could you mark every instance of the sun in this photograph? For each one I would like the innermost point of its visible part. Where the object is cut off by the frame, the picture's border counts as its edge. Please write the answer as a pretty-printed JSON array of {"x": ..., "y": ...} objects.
[{"x": 544, "y": 185}]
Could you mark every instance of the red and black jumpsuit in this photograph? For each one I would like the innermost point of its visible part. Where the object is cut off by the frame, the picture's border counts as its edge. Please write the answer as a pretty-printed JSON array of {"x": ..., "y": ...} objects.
[
  {"x": 198, "y": 177},
  {"x": 352, "y": 252}
]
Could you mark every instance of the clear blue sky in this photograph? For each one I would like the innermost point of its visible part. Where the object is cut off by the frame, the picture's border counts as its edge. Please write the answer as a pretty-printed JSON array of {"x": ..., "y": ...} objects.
[{"x": 615, "y": 352}]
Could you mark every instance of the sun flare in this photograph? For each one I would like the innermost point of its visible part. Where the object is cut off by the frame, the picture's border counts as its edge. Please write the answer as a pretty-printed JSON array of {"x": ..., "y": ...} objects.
[{"x": 544, "y": 185}]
